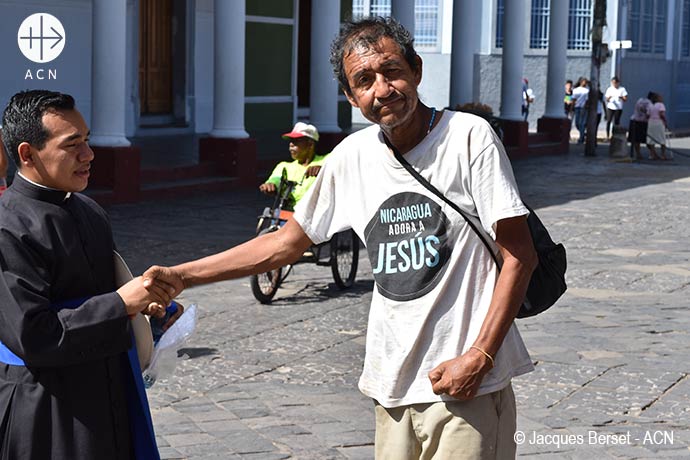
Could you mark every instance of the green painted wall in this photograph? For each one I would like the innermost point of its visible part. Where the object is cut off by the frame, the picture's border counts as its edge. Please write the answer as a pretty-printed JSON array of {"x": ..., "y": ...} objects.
[
  {"x": 272, "y": 8},
  {"x": 276, "y": 116},
  {"x": 268, "y": 69},
  {"x": 268, "y": 59}
]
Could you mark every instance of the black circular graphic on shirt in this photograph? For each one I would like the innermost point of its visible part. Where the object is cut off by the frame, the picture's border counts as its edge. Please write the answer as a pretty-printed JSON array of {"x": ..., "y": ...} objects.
[{"x": 407, "y": 243}]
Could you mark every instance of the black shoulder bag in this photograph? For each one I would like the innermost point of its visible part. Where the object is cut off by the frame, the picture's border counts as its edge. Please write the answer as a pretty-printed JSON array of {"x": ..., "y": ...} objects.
[{"x": 547, "y": 284}]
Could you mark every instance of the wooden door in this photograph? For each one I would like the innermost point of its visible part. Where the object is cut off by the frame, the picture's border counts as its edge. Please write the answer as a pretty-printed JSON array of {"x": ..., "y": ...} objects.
[{"x": 155, "y": 56}]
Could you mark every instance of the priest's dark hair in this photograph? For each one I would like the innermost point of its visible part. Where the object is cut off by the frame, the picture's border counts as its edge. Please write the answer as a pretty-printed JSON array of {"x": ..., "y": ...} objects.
[
  {"x": 366, "y": 33},
  {"x": 22, "y": 120}
]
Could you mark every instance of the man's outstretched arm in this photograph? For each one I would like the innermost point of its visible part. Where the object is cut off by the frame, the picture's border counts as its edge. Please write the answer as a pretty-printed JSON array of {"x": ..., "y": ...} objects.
[{"x": 259, "y": 255}]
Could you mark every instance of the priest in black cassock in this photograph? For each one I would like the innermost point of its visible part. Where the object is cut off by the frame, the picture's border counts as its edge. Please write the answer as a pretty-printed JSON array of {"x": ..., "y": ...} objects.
[{"x": 68, "y": 388}]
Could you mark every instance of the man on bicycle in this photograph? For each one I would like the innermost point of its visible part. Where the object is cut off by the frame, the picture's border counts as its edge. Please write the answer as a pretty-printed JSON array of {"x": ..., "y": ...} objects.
[{"x": 303, "y": 169}]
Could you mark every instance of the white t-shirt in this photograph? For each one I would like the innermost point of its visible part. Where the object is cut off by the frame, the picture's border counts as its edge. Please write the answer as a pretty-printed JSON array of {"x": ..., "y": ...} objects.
[
  {"x": 434, "y": 277},
  {"x": 527, "y": 97},
  {"x": 580, "y": 95},
  {"x": 616, "y": 95}
]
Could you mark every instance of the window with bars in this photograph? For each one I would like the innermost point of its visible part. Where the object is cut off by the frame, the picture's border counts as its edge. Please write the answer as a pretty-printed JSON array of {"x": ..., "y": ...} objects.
[
  {"x": 579, "y": 24},
  {"x": 365, "y": 8},
  {"x": 539, "y": 29},
  {"x": 426, "y": 17},
  {"x": 685, "y": 30},
  {"x": 500, "y": 11},
  {"x": 647, "y": 25}
]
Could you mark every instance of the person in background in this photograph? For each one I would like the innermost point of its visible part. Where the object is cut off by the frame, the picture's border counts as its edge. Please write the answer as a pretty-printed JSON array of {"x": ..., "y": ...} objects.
[
  {"x": 568, "y": 107},
  {"x": 637, "y": 131},
  {"x": 615, "y": 96},
  {"x": 580, "y": 97},
  {"x": 305, "y": 166},
  {"x": 527, "y": 98},
  {"x": 656, "y": 128}
]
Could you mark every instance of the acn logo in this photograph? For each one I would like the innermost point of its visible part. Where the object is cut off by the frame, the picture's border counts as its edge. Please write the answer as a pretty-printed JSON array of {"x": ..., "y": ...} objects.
[{"x": 41, "y": 37}]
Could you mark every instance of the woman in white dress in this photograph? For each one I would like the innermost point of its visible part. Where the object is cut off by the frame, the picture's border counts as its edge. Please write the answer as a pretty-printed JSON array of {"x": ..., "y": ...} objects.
[{"x": 656, "y": 128}]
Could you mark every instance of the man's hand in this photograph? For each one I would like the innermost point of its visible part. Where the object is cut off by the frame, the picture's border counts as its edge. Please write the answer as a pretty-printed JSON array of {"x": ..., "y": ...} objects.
[
  {"x": 137, "y": 297},
  {"x": 158, "y": 278},
  {"x": 312, "y": 171},
  {"x": 268, "y": 188},
  {"x": 460, "y": 377}
]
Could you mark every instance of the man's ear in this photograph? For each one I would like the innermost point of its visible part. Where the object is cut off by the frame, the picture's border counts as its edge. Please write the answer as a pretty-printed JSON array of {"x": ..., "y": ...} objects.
[
  {"x": 25, "y": 154},
  {"x": 351, "y": 99},
  {"x": 418, "y": 72}
]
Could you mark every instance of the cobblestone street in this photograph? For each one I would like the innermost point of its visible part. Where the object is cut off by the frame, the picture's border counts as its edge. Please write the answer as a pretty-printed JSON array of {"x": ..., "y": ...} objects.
[{"x": 280, "y": 381}]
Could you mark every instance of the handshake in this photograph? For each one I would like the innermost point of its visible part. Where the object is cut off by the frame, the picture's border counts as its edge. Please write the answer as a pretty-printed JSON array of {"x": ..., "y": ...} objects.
[{"x": 151, "y": 292}]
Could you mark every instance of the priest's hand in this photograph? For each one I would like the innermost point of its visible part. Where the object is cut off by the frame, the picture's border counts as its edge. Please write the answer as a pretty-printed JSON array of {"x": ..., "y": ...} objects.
[
  {"x": 154, "y": 310},
  {"x": 136, "y": 297},
  {"x": 170, "y": 315}
]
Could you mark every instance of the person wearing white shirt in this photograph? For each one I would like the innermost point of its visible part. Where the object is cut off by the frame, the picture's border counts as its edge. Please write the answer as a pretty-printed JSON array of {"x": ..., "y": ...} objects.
[
  {"x": 615, "y": 96},
  {"x": 580, "y": 96}
]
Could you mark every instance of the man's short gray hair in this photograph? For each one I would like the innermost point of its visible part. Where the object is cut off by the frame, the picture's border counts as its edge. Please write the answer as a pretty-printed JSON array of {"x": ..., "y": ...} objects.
[{"x": 366, "y": 33}]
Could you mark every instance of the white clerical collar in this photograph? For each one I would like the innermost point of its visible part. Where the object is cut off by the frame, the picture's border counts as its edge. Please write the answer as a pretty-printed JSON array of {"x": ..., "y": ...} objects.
[{"x": 68, "y": 194}]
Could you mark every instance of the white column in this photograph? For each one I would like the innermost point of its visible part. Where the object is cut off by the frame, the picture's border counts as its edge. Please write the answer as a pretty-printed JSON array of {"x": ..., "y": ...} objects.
[
  {"x": 108, "y": 88},
  {"x": 466, "y": 34},
  {"x": 670, "y": 30},
  {"x": 558, "y": 48},
  {"x": 323, "y": 87},
  {"x": 403, "y": 11},
  {"x": 513, "y": 59},
  {"x": 228, "y": 62}
]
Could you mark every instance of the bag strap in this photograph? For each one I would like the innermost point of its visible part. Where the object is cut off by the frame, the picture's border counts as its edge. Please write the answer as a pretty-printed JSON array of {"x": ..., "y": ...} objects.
[{"x": 435, "y": 191}]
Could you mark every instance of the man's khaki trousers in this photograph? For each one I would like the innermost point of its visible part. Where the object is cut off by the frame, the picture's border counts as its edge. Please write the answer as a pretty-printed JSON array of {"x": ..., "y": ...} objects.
[{"x": 478, "y": 429}]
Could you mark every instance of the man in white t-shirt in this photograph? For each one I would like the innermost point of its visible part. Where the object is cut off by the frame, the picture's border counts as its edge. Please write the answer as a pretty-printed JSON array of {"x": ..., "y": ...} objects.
[
  {"x": 614, "y": 97},
  {"x": 442, "y": 346}
]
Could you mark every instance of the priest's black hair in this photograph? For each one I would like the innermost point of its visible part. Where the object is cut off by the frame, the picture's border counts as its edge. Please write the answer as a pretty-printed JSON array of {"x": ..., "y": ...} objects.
[{"x": 22, "y": 120}]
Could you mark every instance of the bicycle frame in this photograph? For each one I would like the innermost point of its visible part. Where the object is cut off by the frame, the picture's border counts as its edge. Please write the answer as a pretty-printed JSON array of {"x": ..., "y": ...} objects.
[{"x": 329, "y": 253}]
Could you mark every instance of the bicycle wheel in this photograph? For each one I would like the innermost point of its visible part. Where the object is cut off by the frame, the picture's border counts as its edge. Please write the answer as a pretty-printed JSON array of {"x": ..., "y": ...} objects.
[
  {"x": 265, "y": 285},
  {"x": 344, "y": 258}
]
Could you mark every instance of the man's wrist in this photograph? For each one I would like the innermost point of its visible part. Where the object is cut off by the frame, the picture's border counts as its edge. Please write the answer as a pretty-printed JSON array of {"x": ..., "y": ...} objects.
[{"x": 489, "y": 360}]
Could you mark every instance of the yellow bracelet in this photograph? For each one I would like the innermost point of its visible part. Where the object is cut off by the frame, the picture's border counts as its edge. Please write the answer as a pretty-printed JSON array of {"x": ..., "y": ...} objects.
[{"x": 491, "y": 359}]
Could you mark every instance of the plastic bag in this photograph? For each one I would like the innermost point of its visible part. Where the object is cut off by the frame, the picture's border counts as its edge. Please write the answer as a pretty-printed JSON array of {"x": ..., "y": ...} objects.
[{"x": 164, "y": 359}]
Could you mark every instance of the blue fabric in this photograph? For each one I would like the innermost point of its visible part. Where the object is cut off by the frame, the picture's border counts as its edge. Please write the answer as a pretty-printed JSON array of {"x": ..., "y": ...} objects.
[
  {"x": 140, "y": 423},
  {"x": 172, "y": 308},
  {"x": 7, "y": 357}
]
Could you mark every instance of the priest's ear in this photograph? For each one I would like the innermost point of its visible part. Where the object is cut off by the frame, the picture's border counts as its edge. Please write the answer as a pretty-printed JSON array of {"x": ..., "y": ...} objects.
[{"x": 26, "y": 157}]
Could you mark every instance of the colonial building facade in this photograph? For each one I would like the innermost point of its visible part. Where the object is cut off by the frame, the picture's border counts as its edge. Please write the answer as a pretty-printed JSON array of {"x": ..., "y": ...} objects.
[{"x": 214, "y": 82}]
